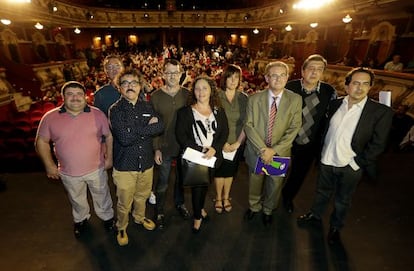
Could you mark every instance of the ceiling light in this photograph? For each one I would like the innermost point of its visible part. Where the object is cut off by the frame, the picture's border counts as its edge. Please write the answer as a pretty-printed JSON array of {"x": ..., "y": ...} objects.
[
  {"x": 38, "y": 26},
  {"x": 313, "y": 25},
  {"x": 256, "y": 31},
  {"x": 288, "y": 28},
  {"x": 311, "y": 4},
  {"x": 5, "y": 21},
  {"x": 77, "y": 30},
  {"x": 347, "y": 19}
]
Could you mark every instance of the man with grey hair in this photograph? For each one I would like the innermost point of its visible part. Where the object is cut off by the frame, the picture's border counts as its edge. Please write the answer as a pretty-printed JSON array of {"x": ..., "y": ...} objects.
[{"x": 273, "y": 119}]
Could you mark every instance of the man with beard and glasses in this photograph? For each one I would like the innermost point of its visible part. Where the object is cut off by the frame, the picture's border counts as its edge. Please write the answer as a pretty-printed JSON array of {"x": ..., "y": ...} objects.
[
  {"x": 134, "y": 123},
  {"x": 76, "y": 131}
]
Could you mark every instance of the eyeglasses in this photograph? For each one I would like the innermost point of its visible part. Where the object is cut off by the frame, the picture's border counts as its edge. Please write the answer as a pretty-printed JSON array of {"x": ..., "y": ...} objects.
[
  {"x": 126, "y": 84},
  {"x": 113, "y": 67},
  {"x": 277, "y": 76},
  {"x": 172, "y": 73}
]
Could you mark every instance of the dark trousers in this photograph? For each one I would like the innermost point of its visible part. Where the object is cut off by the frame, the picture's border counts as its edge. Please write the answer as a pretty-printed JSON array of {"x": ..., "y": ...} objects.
[
  {"x": 339, "y": 182},
  {"x": 164, "y": 171},
  {"x": 302, "y": 159},
  {"x": 198, "y": 198}
]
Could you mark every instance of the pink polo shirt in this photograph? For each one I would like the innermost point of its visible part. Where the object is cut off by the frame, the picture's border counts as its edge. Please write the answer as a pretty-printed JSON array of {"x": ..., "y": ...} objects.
[{"x": 78, "y": 139}]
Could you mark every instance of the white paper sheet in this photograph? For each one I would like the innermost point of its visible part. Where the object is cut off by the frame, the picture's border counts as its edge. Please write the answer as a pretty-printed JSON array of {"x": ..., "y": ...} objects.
[
  {"x": 385, "y": 97},
  {"x": 197, "y": 157},
  {"x": 229, "y": 155}
]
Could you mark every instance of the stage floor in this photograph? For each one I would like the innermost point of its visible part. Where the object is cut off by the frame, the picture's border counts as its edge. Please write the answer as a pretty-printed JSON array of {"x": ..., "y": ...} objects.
[{"x": 36, "y": 231}]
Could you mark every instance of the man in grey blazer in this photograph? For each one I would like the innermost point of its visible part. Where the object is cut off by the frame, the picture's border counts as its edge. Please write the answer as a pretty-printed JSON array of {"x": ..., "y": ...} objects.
[
  {"x": 264, "y": 190},
  {"x": 357, "y": 133}
]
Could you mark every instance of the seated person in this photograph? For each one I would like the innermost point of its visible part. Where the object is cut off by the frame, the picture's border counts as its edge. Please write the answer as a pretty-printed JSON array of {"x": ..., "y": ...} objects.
[{"x": 394, "y": 65}]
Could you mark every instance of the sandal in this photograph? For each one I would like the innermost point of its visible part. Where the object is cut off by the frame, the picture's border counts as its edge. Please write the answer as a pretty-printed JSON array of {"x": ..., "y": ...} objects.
[
  {"x": 218, "y": 206},
  {"x": 227, "y": 207}
]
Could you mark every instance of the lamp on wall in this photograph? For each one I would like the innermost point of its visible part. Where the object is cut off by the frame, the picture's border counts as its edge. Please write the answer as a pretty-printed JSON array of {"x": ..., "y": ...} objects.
[
  {"x": 77, "y": 30},
  {"x": 255, "y": 31},
  {"x": 5, "y": 21},
  {"x": 38, "y": 26},
  {"x": 313, "y": 25},
  {"x": 347, "y": 19},
  {"x": 288, "y": 28}
]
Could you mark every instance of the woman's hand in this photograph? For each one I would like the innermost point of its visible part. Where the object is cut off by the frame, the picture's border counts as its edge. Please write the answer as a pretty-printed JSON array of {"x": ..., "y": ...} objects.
[{"x": 210, "y": 152}]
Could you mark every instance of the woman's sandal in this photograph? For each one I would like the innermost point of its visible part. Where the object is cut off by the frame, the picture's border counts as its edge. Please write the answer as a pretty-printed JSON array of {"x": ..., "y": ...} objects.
[
  {"x": 227, "y": 207},
  {"x": 218, "y": 205}
]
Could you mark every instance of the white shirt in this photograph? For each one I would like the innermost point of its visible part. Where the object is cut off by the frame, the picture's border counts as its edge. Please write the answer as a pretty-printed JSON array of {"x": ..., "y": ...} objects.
[
  {"x": 337, "y": 150},
  {"x": 206, "y": 128},
  {"x": 279, "y": 96}
]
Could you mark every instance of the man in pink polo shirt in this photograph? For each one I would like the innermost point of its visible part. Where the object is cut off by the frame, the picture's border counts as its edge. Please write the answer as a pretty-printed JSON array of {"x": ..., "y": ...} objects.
[{"x": 77, "y": 131}]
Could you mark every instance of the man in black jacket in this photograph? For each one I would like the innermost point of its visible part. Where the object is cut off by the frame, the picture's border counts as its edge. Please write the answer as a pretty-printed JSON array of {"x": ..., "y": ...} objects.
[
  {"x": 356, "y": 135},
  {"x": 316, "y": 96}
]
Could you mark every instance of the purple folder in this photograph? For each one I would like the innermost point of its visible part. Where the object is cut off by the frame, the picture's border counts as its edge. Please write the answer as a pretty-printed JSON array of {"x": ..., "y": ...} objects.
[{"x": 278, "y": 167}]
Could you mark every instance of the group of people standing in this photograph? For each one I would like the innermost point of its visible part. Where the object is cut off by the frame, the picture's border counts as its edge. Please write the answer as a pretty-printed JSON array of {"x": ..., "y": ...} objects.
[{"x": 131, "y": 134}]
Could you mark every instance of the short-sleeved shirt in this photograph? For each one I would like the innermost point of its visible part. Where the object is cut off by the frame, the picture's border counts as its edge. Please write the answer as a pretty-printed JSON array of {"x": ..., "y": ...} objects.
[
  {"x": 105, "y": 97},
  {"x": 77, "y": 139}
]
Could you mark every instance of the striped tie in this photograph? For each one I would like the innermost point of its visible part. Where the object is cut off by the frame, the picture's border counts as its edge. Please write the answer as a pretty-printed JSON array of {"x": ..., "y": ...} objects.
[{"x": 272, "y": 115}]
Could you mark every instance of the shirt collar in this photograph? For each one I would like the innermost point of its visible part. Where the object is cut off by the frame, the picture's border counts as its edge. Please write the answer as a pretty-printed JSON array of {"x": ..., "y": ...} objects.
[
  {"x": 278, "y": 95},
  {"x": 317, "y": 88},
  {"x": 62, "y": 109},
  {"x": 360, "y": 104}
]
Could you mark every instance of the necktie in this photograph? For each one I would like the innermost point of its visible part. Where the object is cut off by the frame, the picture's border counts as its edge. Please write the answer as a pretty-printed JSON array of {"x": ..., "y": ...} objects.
[{"x": 272, "y": 115}]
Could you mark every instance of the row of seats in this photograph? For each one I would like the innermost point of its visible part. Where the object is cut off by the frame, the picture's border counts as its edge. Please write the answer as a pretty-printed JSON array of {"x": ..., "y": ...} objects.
[{"x": 17, "y": 137}]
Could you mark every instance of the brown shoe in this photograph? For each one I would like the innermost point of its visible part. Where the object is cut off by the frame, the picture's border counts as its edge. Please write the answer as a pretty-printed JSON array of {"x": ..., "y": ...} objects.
[{"x": 147, "y": 223}]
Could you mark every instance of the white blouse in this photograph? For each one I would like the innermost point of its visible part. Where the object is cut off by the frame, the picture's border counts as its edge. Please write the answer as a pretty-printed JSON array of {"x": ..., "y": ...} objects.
[{"x": 204, "y": 129}]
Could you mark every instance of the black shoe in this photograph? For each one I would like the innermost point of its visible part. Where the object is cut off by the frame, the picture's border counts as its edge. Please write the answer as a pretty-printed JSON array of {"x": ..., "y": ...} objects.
[
  {"x": 267, "y": 219},
  {"x": 160, "y": 222},
  {"x": 308, "y": 219},
  {"x": 109, "y": 225},
  {"x": 249, "y": 215},
  {"x": 79, "y": 227},
  {"x": 333, "y": 236},
  {"x": 183, "y": 211},
  {"x": 289, "y": 206}
]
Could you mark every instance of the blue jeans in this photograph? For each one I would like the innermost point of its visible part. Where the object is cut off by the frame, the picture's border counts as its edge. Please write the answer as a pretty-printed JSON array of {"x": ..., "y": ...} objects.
[
  {"x": 339, "y": 182},
  {"x": 164, "y": 171}
]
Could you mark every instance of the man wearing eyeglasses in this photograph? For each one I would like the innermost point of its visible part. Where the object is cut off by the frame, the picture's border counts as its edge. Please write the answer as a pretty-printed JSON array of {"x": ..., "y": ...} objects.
[
  {"x": 273, "y": 119},
  {"x": 108, "y": 94},
  {"x": 306, "y": 147},
  {"x": 134, "y": 124},
  {"x": 166, "y": 101}
]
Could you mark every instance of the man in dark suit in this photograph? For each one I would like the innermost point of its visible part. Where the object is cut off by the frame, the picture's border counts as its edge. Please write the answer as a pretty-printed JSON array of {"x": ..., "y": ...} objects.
[
  {"x": 265, "y": 191},
  {"x": 356, "y": 135}
]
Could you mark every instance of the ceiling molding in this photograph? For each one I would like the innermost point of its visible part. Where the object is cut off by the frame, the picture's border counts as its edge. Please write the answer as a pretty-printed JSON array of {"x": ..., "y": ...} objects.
[{"x": 258, "y": 17}]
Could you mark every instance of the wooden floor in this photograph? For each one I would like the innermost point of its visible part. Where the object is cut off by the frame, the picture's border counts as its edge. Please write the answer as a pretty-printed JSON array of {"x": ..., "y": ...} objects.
[{"x": 36, "y": 231}]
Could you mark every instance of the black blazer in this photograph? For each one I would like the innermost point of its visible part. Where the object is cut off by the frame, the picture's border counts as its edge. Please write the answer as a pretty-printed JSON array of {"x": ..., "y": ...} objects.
[
  {"x": 185, "y": 136},
  {"x": 371, "y": 133}
]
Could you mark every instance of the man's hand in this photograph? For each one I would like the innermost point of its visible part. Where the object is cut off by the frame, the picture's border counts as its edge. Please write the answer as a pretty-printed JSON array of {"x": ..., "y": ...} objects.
[
  {"x": 52, "y": 172},
  {"x": 158, "y": 157},
  {"x": 266, "y": 154},
  {"x": 153, "y": 120}
]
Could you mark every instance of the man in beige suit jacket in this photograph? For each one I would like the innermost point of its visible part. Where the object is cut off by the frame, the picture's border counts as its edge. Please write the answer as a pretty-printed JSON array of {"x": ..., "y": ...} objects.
[{"x": 264, "y": 191}]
